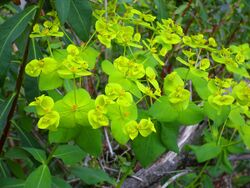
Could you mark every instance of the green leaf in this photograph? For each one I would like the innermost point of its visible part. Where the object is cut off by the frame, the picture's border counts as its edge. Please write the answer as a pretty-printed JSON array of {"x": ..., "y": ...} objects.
[
  {"x": 227, "y": 166},
  {"x": 31, "y": 89},
  {"x": 192, "y": 115},
  {"x": 218, "y": 117},
  {"x": 74, "y": 108},
  {"x": 63, "y": 135},
  {"x": 16, "y": 153},
  {"x": 38, "y": 154},
  {"x": 70, "y": 154},
  {"x": 120, "y": 116},
  {"x": 200, "y": 84},
  {"x": 163, "y": 111},
  {"x": 79, "y": 18},
  {"x": 118, "y": 133},
  {"x": 91, "y": 176},
  {"x": 236, "y": 119},
  {"x": 169, "y": 136},
  {"x": 5, "y": 109},
  {"x": 55, "y": 94},
  {"x": 10, "y": 30},
  {"x": 147, "y": 149},
  {"x": 238, "y": 70},
  {"x": 245, "y": 134},
  {"x": 90, "y": 140},
  {"x": 241, "y": 181},
  {"x": 161, "y": 9},
  {"x": 49, "y": 81},
  {"x": 123, "y": 114},
  {"x": 207, "y": 181},
  {"x": 26, "y": 138},
  {"x": 147, "y": 59},
  {"x": 39, "y": 178},
  {"x": 60, "y": 54},
  {"x": 3, "y": 169},
  {"x": 108, "y": 67},
  {"x": 59, "y": 183},
  {"x": 62, "y": 8},
  {"x": 90, "y": 54},
  {"x": 16, "y": 168},
  {"x": 206, "y": 152},
  {"x": 11, "y": 183}
]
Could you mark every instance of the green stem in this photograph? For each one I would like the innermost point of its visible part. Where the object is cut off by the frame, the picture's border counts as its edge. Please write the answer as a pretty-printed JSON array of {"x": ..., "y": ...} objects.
[
  {"x": 50, "y": 51},
  {"x": 124, "y": 51},
  {"x": 231, "y": 138},
  {"x": 185, "y": 79},
  {"x": 74, "y": 88},
  {"x": 131, "y": 52},
  {"x": 233, "y": 143},
  {"x": 67, "y": 36},
  {"x": 34, "y": 48},
  {"x": 127, "y": 173},
  {"x": 199, "y": 53},
  {"x": 87, "y": 43},
  {"x": 140, "y": 99},
  {"x": 192, "y": 184},
  {"x": 51, "y": 154},
  {"x": 221, "y": 132}
]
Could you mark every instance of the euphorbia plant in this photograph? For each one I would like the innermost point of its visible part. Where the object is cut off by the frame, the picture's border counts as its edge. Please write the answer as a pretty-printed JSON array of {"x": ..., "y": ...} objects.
[{"x": 138, "y": 104}]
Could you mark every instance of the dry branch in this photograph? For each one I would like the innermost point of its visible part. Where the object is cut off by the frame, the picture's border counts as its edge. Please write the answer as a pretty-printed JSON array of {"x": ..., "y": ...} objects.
[{"x": 168, "y": 162}]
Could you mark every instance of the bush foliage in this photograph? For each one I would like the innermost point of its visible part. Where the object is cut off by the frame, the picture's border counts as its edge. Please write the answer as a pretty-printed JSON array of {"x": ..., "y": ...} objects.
[{"x": 92, "y": 91}]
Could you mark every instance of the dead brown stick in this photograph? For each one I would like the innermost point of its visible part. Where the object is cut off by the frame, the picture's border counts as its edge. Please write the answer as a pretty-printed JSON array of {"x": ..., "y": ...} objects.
[{"x": 168, "y": 162}]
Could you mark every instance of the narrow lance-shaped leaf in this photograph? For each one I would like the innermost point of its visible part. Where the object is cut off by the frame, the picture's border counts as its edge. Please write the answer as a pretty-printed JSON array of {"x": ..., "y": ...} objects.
[
  {"x": 62, "y": 8},
  {"x": 91, "y": 175},
  {"x": 11, "y": 183},
  {"x": 39, "y": 178},
  {"x": 79, "y": 18},
  {"x": 70, "y": 154},
  {"x": 5, "y": 108},
  {"x": 10, "y": 30},
  {"x": 38, "y": 154}
]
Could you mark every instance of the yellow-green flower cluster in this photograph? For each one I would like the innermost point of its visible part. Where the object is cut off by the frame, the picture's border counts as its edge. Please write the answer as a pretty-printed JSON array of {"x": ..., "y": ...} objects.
[
  {"x": 221, "y": 92},
  {"x": 46, "y": 65},
  {"x": 73, "y": 66},
  {"x": 129, "y": 68},
  {"x": 174, "y": 89},
  {"x": 48, "y": 28},
  {"x": 44, "y": 107},
  {"x": 114, "y": 94},
  {"x": 145, "y": 127},
  {"x": 113, "y": 30},
  {"x": 169, "y": 34}
]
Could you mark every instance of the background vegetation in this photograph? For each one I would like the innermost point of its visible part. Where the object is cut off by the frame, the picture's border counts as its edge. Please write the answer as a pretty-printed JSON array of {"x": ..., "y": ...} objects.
[{"x": 31, "y": 157}]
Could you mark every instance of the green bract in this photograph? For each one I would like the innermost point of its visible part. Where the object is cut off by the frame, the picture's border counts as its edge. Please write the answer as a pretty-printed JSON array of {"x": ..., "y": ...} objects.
[
  {"x": 97, "y": 119},
  {"x": 74, "y": 107},
  {"x": 74, "y": 66},
  {"x": 46, "y": 66},
  {"x": 242, "y": 93},
  {"x": 49, "y": 121},
  {"x": 131, "y": 129},
  {"x": 172, "y": 81},
  {"x": 43, "y": 104},
  {"x": 145, "y": 128},
  {"x": 179, "y": 98}
]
